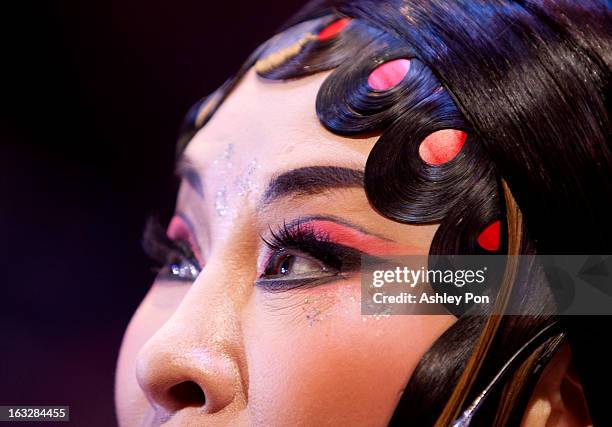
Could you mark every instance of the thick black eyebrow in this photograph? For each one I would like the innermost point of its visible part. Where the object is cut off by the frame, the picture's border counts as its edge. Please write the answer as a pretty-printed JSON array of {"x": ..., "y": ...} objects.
[
  {"x": 186, "y": 170},
  {"x": 311, "y": 180}
]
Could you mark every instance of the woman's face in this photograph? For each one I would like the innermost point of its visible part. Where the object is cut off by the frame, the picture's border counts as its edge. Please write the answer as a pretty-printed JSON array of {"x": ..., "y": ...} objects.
[{"x": 265, "y": 336}]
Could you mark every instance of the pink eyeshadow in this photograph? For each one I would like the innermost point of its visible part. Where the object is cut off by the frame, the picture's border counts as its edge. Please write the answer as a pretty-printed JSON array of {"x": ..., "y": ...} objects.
[
  {"x": 178, "y": 229},
  {"x": 355, "y": 239}
]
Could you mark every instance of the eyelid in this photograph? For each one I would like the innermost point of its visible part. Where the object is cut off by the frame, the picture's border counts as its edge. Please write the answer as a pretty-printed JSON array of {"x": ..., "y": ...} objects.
[
  {"x": 353, "y": 237},
  {"x": 290, "y": 239},
  {"x": 302, "y": 240},
  {"x": 336, "y": 230},
  {"x": 169, "y": 254},
  {"x": 180, "y": 228}
]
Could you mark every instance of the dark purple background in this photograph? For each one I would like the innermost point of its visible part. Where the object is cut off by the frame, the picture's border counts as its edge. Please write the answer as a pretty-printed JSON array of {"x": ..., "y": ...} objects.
[{"x": 92, "y": 96}]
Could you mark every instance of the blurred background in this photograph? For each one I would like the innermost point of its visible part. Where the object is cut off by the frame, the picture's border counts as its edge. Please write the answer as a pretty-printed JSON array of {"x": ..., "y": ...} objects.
[{"x": 93, "y": 93}]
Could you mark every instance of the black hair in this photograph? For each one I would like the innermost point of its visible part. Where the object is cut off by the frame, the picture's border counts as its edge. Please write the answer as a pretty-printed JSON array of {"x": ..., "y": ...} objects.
[{"x": 528, "y": 82}]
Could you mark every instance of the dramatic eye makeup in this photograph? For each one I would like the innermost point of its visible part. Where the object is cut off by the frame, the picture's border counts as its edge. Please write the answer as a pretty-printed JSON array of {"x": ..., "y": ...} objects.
[
  {"x": 174, "y": 250},
  {"x": 314, "y": 251},
  {"x": 181, "y": 230}
]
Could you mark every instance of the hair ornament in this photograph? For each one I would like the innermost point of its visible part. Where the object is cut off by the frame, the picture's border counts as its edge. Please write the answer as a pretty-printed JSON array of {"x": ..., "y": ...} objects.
[
  {"x": 489, "y": 238},
  {"x": 333, "y": 29},
  {"x": 281, "y": 56},
  {"x": 389, "y": 74},
  {"x": 442, "y": 146}
]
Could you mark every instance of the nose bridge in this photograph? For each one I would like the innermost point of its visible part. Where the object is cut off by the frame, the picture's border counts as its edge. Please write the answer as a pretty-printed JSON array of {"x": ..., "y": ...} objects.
[{"x": 196, "y": 358}]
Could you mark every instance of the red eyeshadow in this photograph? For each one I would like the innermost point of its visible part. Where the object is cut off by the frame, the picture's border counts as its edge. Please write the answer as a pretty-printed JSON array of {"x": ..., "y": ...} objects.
[
  {"x": 442, "y": 146},
  {"x": 179, "y": 229},
  {"x": 389, "y": 74},
  {"x": 356, "y": 239},
  {"x": 489, "y": 238},
  {"x": 333, "y": 29}
]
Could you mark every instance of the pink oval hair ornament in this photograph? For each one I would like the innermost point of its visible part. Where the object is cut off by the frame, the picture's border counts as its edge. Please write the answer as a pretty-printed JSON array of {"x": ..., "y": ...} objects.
[
  {"x": 442, "y": 146},
  {"x": 389, "y": 74}
]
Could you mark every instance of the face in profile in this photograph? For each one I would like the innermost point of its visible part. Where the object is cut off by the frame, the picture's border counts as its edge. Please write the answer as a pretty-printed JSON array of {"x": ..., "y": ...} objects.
[
  {"x": 257, "y": 319},
  {"x": 338, "y": 140}
]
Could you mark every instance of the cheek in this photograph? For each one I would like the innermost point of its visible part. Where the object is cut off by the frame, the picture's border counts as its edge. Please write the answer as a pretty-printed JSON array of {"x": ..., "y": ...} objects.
[
  {"x": 340, "y": 368},
  {"x": 158, "y": 305}
]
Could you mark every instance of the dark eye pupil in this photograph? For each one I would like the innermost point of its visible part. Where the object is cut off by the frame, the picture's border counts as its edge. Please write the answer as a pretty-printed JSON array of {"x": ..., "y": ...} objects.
[{"x": 286, "y": 264}]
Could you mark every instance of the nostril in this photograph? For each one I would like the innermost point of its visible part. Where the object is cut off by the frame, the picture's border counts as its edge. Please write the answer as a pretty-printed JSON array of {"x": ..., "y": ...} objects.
[
  {"x": 185, "y": 394},
  {"x": 175, "y": 377}
]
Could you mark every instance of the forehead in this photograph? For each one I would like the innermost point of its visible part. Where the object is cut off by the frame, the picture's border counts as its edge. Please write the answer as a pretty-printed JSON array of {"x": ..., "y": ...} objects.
[{"x": 273, "y": 124}]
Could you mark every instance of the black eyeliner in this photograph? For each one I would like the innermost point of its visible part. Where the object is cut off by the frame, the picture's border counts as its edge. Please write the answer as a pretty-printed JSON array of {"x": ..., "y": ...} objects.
[
  {"x": 282, "y": 285},
  {"x": 302, "y": 238}
]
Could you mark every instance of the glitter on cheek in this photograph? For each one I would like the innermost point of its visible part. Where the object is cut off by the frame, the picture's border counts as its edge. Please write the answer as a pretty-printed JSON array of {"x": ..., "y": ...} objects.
[
  {"x": 351, "y": 298},
  {"x": 383, "y": 311},
  {"x": 298, "y": 308},
  {"x": 316, "y": 305},
  {"x": 364, "y": 318},
  {"x": 313, "y": 311},
  {"x": 345, "y": 300}
]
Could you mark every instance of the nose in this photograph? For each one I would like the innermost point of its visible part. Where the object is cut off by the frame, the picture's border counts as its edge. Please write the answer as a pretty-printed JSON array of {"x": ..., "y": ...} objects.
[
  {"x": 173, "y": 379},
  {"x": 194, "y": 359}
]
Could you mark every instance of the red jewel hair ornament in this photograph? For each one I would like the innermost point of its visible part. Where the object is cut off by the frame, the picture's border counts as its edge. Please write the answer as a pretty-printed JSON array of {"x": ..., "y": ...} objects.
[
  {"x": 489, "y": 237},
  {"x": 442, "y": 146},
  {"x": 281, "y": 56},
  {"x": 333, "y": 29}
]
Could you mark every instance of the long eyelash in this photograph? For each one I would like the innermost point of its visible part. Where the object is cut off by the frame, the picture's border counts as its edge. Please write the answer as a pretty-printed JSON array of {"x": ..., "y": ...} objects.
[
  {"x": 304, "y": 238},
  {"x": 160, "y": 248},
  {"x": 300, "y": 235}
]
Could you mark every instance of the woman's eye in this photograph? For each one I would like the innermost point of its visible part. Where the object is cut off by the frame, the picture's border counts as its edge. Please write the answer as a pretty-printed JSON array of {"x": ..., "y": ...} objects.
[
  {"x": 176, "y": 256},
  {"x": 181, "y": 263},
  {"x": 184, "y": 270},
  {"x": 286, "y": 264}
]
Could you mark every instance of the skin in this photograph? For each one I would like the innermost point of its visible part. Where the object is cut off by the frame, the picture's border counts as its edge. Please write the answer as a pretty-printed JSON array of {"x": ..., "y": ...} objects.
[
  {"x": 558, "y": 399},
  {"x": 298, "y": 357}
]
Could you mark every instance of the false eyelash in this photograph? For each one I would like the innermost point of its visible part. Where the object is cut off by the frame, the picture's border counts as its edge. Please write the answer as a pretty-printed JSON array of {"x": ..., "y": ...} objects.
[
  {"x": 303, "y": 237},
  {"x": 299, "y": 234},
  {"x": 162, "y": 249}
]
